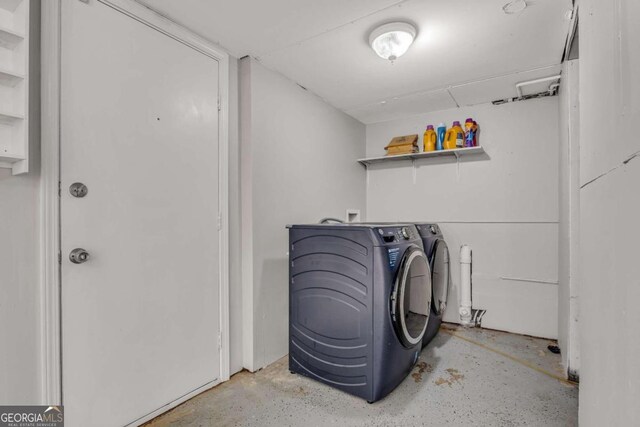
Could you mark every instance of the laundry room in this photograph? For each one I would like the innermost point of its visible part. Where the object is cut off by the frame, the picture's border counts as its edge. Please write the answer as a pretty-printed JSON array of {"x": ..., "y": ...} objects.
[{"x": 363, "y": 212}]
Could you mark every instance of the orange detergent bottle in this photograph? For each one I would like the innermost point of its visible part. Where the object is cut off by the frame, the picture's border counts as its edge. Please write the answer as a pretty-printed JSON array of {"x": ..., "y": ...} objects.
[
  {"x": 429, "y": 140},
  {"x": 454, "y": 137}
]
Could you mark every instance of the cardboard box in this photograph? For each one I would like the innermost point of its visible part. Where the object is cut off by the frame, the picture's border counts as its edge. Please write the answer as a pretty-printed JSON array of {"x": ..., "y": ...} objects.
[{"x": 402, "y": 145}]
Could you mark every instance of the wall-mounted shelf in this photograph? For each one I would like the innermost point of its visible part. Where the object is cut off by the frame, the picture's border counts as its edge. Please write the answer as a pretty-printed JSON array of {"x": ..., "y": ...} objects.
[
  {"x": 9, "y": 39},
  {"x": 9, "y": 118},
  {"x": 10, "y": 157},
  {"x": 8, "y": 78},
  {"x": 457, "y": 153},
  {"x": 10, "y": 5}
]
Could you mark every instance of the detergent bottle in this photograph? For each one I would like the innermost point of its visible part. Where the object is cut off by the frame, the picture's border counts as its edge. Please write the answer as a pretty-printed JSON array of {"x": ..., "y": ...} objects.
[
  {"x": 468, "y": 132},
  {"x": 475, "y": 133},
  {"x": 430, "y": 139},
  {"x": 441, "y": 133},
  {"x": 454, "y": 137}
]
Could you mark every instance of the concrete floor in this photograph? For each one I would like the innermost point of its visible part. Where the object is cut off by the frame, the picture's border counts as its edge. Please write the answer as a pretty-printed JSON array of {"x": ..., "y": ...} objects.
[{"x": 464, "y": 377}]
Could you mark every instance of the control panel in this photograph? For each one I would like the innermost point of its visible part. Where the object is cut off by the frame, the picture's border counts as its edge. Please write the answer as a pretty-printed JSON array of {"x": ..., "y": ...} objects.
[
  {"x": 396, "y": 234},
  {"x": 426, "y": 229}
]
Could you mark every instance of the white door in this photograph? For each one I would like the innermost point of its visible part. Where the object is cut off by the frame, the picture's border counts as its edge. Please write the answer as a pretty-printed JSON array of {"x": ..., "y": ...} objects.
[{"x": 139, "y": 127}]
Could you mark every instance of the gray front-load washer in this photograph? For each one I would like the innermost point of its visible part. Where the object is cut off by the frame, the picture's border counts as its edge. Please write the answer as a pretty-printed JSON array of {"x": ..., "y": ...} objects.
[
  {"x": 359, "y": 304},
  {"x": 438, "y": 254}
]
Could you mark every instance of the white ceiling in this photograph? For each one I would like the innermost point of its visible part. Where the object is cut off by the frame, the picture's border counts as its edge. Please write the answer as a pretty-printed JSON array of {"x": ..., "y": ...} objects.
[{"x": 466, "y": 52}]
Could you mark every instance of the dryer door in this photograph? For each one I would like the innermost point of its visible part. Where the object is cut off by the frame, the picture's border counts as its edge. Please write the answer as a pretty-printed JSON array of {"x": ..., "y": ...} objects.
[
  {"x": 411, "y": 297},
  {"x": 441, "y": 276}
]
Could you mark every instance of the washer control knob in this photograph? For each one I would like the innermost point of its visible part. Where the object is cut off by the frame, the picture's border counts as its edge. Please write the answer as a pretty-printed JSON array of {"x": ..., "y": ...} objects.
[{"x": 405, "y": 233}]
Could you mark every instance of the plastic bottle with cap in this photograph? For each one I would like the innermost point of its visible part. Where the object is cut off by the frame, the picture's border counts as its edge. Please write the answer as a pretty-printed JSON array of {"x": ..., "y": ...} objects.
[
  {"x": 442, "y": 129},
  {"x": 476, "y": 129},
  {"x": 430, "y": 139},
  {"x": 468, "y": 132},
  {"x": 454, "y": 137}
]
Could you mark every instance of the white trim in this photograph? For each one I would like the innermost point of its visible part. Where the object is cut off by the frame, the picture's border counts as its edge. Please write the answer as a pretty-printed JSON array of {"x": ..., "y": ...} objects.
[
  {"x": 245, "y": 157},
  {"x": 50, "y": 210},
  {"x": 151, "y": 18},
  {"x": 51, "y": 363},
  {"x": 573, "y": 27},
  {"x": 223, "y": 198}
]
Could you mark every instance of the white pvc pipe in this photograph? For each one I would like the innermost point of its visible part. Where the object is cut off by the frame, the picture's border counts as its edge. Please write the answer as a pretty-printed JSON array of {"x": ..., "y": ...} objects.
[
  {"x": 465, "y": 285},
  {"x": 531, "y": 82}
]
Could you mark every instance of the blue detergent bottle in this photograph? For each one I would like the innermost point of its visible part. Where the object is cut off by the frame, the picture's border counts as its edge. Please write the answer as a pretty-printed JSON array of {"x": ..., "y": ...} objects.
[{"x": 442, "y": 129}]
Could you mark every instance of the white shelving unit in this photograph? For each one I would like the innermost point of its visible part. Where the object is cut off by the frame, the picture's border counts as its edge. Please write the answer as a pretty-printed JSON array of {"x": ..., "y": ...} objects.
[
  {"x": 9, "y": 78},
  {"x": 14, "y": 85},
  {"x": 457, "y": 153},
  {"x": 10, "y": 39},
  {"x": 10, "y": 5}
]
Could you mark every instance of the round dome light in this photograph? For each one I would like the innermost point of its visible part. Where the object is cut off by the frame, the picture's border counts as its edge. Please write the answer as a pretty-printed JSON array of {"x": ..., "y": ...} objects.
[
  {"x": 514, "y": 6},
  {"x": 391, "y": 41}
]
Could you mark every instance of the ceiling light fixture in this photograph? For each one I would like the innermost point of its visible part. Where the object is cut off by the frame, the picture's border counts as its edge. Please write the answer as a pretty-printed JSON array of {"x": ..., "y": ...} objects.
[
  {"x": 391, "y": 41},
  {"x": 514, "y": 6}
]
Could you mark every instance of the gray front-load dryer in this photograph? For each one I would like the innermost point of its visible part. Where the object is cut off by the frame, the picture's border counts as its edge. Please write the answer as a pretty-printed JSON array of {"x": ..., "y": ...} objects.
[
  {"x": 359, "y": 304},
  {"x": 438, "y": 254}
]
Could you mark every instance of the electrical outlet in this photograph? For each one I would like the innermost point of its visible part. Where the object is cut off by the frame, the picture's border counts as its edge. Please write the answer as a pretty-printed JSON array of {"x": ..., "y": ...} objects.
[{"x": 353, "y": 215}]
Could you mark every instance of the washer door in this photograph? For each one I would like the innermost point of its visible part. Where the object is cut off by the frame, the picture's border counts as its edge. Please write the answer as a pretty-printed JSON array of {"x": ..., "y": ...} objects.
[
  {"x": 441, "y": 276},
  {"x": 411, "y": 297}
]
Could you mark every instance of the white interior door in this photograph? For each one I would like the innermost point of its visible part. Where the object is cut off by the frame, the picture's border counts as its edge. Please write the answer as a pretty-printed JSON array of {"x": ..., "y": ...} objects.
[{"x": 139, "y": 127}]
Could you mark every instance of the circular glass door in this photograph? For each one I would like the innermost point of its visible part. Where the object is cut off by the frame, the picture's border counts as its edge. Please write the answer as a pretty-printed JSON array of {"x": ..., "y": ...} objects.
[
  {"x": 411, "y": 298},
  {"x": 440, "y": 277}
]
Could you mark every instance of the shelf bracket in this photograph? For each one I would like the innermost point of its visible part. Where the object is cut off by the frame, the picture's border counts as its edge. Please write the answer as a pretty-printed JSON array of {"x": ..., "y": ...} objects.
[
  {"x": 413, "y": 168},
  {"x": 366, "y": 171}
]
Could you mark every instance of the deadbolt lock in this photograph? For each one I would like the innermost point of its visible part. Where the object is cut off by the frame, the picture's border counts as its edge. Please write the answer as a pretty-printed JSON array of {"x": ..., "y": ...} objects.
[
  {"x": 78, "y": 256},
  {"x": 78, "y": 189}
]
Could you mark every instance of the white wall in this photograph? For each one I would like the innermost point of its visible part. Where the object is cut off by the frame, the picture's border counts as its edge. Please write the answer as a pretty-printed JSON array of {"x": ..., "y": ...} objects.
[
  {"x": 297, "y": 166},
  {"x": 20, "y": 379},
  {"x": 568, "y": 236},
  {"x": 19, "y": 288},
  {"x": 504, "y": 204},
  {"x": 609, "y": 211}
]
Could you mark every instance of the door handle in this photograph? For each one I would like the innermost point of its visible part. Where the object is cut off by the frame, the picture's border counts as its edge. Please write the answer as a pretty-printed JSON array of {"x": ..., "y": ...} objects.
[{"x": 78, "y": 256}]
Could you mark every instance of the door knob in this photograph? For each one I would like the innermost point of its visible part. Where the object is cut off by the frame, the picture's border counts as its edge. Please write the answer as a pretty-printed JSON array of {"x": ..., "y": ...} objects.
[
  {"x": 78, "y": 256},
  {"x": 78, "y": 189}
]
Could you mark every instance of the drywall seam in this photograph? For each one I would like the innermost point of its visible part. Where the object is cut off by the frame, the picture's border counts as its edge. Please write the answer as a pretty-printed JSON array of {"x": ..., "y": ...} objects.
[
  {"x": 519, "y": 279},
  {"x": 402, "y": 219},
  {"x": 453, "y": 98},
  {"x": 624, "y": 163},
  {"x": 438, "y": 89}
]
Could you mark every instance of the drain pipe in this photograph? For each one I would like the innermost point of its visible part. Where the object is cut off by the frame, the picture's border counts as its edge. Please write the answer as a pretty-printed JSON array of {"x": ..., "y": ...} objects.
[
  {"x": 465, "y": 285},
  {"x": 531, "y": 82}
]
